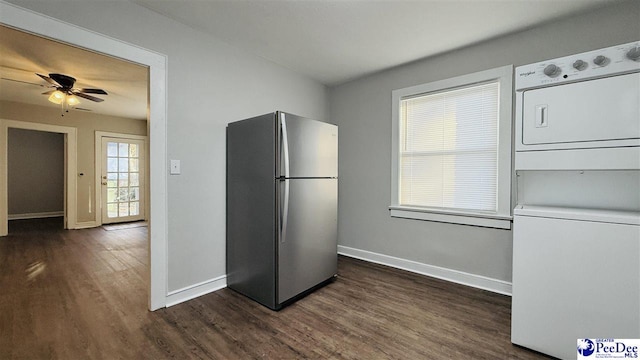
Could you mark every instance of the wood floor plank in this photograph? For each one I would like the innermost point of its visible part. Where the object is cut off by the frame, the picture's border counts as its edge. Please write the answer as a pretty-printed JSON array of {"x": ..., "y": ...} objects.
[{"x": 82, "y": 294}]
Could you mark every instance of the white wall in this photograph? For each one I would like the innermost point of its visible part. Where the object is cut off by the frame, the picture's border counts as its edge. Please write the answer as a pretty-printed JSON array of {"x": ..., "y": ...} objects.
[
  {"x": 210, "y": 84},
  {"x": 362, "y": 110},
  {"x": 35, "y": 176}
]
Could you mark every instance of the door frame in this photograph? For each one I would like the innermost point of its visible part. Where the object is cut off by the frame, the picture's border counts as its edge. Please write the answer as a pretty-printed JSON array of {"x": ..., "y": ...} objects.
[
  {"x": 98, "y": 168},
  {"x": 45, "y": 26},
  {"x": 70, "y": 169}
]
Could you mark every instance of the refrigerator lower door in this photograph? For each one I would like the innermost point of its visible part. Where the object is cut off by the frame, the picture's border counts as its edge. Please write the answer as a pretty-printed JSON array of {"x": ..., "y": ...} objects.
[
  {"x": 307, "y": 245},
  {"x": 573, "y": 279}
]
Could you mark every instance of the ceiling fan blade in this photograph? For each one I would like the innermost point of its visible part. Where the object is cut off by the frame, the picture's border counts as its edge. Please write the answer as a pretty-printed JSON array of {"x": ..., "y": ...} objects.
[
  {"x": 88, "y": 97},
  {"x": 91, "y": 91},
  {"x": 65, "y": 81},
  {"x": 48, "y": 92},
  {"x": 48, "y": 79},
  {"x": 24, "y": 82}
]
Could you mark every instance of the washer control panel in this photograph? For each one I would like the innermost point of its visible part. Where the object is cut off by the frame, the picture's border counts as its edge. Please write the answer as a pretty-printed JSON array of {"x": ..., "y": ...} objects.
[{"x": 593, "y": 64}]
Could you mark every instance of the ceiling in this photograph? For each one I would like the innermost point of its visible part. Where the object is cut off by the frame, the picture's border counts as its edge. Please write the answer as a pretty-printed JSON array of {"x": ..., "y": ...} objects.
[
  {"x": 24, "y": 55},
  {"x": 334, "y": 41}
]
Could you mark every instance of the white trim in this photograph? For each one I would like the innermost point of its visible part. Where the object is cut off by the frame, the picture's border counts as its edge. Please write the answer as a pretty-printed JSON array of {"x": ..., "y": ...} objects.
[
  {"x": 458, "y": 277},
  {"x": 621, "y": 158},
  {"x": 26, "y": 20},
  {"x": 193, "y": 291},
  {"x": 39, "y": 215},
  {"x": 71, "y": 166},
  {"x": 98, "y": 171},
  {"x": 86, "y": 225},
  {"x": 490, "y": 221},
  {"x": 504, "y": 75},
  {"x": 578, "y": 214}
]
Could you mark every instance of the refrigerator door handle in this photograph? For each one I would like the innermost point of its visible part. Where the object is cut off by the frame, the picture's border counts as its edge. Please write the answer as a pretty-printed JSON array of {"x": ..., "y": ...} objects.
[
  {"x": 285, "y": 144},
  {"x": 285, "y": 211}
]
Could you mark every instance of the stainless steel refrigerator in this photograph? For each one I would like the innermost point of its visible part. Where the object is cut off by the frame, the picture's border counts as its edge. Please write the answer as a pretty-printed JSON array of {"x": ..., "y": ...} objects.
[{"x": 282, "y": 193}]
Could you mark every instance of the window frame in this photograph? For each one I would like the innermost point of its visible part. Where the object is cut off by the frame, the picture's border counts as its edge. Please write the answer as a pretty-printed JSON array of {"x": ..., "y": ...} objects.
[{"x": 502, "y": 217}]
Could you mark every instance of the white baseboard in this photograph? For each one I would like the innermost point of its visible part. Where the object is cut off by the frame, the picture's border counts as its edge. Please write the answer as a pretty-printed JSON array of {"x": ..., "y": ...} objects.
[
  {"x": 39, "y": 215},
  {"x": 459, "y": 277},
  {"x": 85, "y": 225},
  {"x": 190, "y": 292}
]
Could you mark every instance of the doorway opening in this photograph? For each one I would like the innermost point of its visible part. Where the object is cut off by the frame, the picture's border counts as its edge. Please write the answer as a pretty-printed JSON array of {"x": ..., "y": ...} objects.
[
  {"x": 30, "y": 22},
  {"x": 35, "y": 174},
  {"x": 70, "y": 166}
]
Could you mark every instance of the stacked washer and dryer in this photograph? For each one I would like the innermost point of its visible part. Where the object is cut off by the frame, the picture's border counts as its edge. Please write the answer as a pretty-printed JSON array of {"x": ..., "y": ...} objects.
[{"x": 576, "y": 232}]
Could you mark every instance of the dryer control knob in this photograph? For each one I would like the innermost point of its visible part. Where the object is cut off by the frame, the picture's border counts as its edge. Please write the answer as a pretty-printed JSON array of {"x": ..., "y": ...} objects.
[
  {"x": 634, "y": 53},
  {"x": 600, "y": 60},
  {"x": 580, "y": 65},
  {"x": 552, "y": 70}
]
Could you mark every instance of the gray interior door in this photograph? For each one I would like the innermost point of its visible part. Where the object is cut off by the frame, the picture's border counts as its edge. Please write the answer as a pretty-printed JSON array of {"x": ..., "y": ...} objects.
[
  {"x": 307, "y": 248},
  {"x": 311, "y": 146}
]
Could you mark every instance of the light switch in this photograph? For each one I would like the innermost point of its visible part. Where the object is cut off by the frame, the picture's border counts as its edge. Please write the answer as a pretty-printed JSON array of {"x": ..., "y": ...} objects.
[{"x": 175, "y": 167}]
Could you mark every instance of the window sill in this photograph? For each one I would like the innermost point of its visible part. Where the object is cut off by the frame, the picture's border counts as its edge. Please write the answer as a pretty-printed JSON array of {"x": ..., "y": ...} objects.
[{"x": 452, "y": 217}]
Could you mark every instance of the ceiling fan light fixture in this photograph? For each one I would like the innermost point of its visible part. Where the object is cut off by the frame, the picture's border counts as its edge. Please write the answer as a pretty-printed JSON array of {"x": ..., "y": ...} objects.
[
  {"x": 72, "y": 100},
  {"x": 57, "y": 97}
]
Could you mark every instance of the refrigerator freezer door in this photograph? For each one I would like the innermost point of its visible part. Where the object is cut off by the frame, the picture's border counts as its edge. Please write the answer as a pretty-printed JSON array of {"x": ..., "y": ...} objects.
[
  {"x": 311, "y": 146},
  {"x": 307, "y": 246}
]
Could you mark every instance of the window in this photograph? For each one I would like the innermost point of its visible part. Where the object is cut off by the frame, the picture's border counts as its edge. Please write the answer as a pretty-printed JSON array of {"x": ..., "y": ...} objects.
[{"x": 451, "y": 158}]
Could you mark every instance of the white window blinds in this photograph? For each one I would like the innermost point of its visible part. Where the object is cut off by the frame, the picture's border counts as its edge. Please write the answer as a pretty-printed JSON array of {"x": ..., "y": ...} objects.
[{"x": 448, "y": 149}]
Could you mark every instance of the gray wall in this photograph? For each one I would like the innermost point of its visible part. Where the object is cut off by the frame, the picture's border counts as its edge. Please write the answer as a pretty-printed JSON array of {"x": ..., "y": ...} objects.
[
  {"x": 209, "y": 85},
  {"x": 362, "y": 109},
  {"x": 35, "y": 176}
]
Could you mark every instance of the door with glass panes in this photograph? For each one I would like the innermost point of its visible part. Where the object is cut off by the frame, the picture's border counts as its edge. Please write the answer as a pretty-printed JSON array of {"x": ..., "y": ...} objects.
[{"x": 122, "y": 180}]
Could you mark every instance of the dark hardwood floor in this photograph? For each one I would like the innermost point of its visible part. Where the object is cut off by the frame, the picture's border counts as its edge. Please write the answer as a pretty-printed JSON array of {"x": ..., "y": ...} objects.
[{"x": 81, "y": 294}]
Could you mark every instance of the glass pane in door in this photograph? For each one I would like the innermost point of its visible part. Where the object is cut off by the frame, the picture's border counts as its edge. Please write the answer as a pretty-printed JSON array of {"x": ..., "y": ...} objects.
[{"x": 123, "y": 176}]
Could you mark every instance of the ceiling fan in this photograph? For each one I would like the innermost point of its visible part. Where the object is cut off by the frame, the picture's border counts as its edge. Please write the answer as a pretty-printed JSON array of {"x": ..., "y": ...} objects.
[
  {"x": 63, "y": 93},
  {"x": 64, "y": 89}
]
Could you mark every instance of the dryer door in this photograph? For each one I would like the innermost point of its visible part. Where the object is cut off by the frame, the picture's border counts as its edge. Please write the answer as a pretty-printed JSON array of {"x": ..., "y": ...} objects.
[{"x": 604, "y": 112}]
